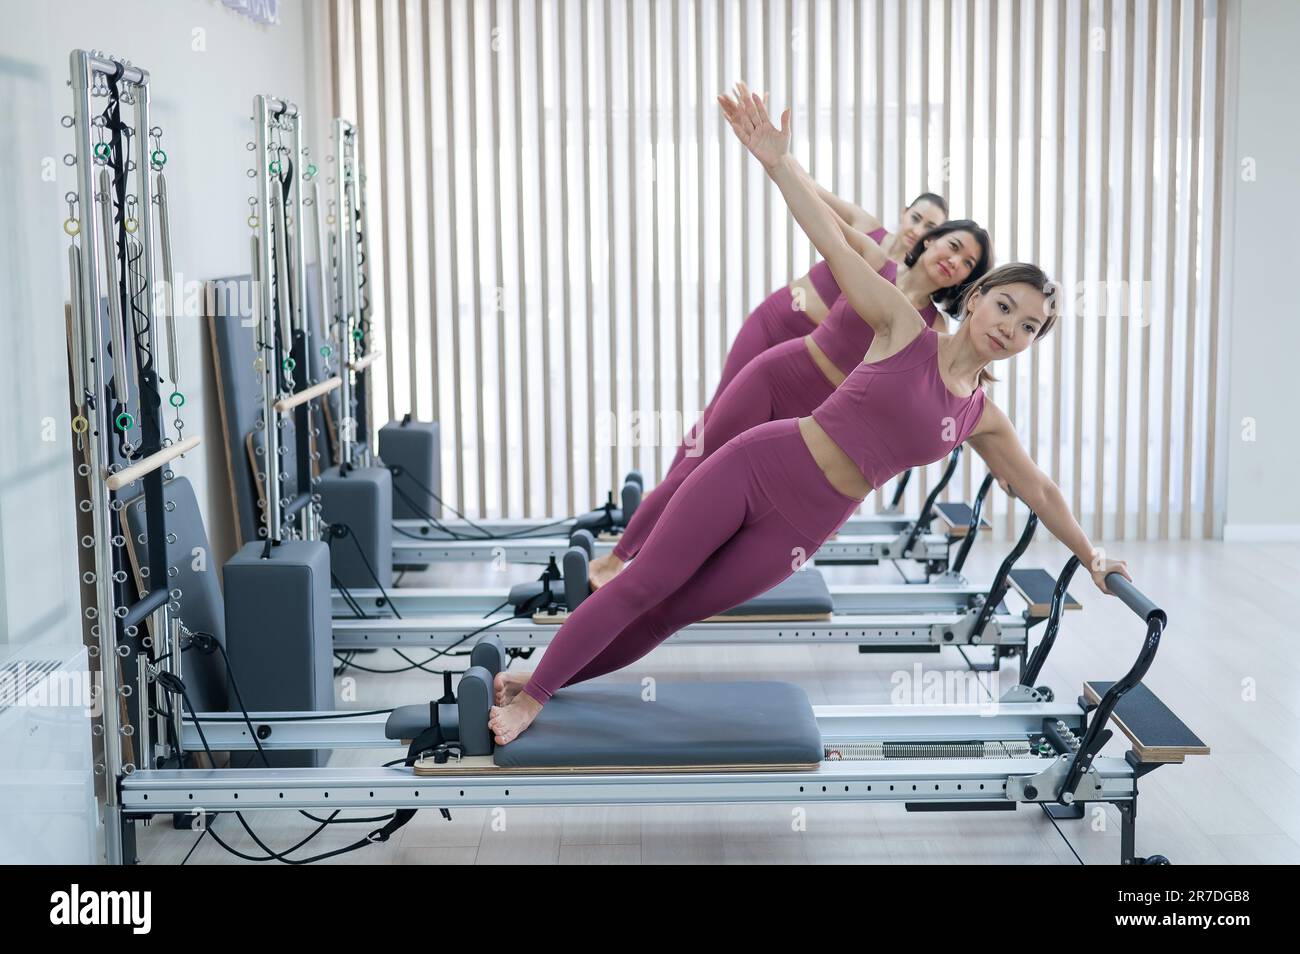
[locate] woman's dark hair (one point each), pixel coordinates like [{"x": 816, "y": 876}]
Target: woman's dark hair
[
  {"x": 931, "y": 197},
  {"x": 950, "y": 299},
  {"x": 1016, "y": 273}
]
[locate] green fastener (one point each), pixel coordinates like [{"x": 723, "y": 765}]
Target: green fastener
[
  {"x": 176, "y": 399},
  {"x": 159, "y": 157},
  {"x": 275, "y": 167},
  {"x": 290, "y": 364},
  {"x": 124, "y": 421},
  {"x": 326, "y": 351},
  {"x": 103, "y": 150}
]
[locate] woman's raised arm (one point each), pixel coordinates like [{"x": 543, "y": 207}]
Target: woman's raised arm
[{"x": 876, "y": 299}]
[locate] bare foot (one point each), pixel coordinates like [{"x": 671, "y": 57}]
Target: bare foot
[
  {"x": 506, "y": 722},
  {"x": 507, "y": 685},
  {"x": 603, "y": 569}
]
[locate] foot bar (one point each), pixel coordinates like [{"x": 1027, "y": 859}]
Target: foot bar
[
  {"x": 364, "y": 362},
  {"x": 151, "y": 463},
  {"x": 311, "y": 393}
]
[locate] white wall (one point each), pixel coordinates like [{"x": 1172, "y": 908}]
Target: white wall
[
  {"x": 202, "y": 98},
  {"x": 1264, "y": 362}
]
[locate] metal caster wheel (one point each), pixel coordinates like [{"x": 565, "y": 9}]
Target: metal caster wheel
[
  {"x": 1156, "y": 860},
  {"x": 1046, "y": 693}
]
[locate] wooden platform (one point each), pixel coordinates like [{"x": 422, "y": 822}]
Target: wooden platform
[
  {"x": 1156, "y": 733},
  {"x": 955, "y": 518},
  {"x": 1035, "y": 587}
]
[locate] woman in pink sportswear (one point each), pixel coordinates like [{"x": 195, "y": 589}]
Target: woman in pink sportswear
[{"x": 741, "y": 522}]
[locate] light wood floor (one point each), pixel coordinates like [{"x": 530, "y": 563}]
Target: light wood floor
[{"x": 1228, "y": 666}]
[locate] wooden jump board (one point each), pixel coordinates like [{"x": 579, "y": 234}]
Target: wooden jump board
[
  {"x": 957, "y": 518},
  {"x": 1156, "y": 733},
  {"x": 556, "y": 619},
  {"x": 1035, "y": 587},
  {"x": 483, "y": 765}
]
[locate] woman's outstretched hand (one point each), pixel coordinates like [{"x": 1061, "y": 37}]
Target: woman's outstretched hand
[
  {"x": 1101, "y": 568},
  {"x": 747, "y": 114}
]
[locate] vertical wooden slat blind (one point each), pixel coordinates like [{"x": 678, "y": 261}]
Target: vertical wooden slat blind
[{"x": 565, "y": 237}]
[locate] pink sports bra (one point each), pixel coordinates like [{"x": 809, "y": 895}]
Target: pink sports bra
[
  {"x": 845, "y": 337},
  {"x": 823, "y": 279},
  {"x": 897, "y": 413}
]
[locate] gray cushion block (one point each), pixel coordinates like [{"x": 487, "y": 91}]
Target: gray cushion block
[
  {"x": 278, "y": 632},
  {"x": 361, "y": 499},
  {"x": 415, "y": 447},
  {"x": 804, "y": 592},
  {"x": 689, "y": 723},
  {"x": 201, "y": 606}
]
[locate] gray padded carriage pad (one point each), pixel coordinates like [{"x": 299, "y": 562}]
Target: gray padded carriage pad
[
  {"x": 801, "y": 593},
  {"x": 688, "y": 724}
]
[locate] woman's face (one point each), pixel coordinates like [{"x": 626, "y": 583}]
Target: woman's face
[
  {"x": 918, "y": 220},
  {"x": 1005, "y": 320},
  {"x": 949, "y": 259}
]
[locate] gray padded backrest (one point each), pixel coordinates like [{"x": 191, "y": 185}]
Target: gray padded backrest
[
  {"x": 803, "y": 592},
  {"x": 689, "y": 723},
  {"x": 201, "y": 606}
]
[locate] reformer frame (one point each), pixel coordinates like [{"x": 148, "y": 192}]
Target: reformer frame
[{"x": 1022, "y": 750}]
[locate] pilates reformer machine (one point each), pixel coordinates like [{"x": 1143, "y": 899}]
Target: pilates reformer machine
[
  {"x": 715, "y": 742},
  {"x": 802, "y": 609},
  {"x": 693, "y": 743},
  {"x": 864, "y": 540}
]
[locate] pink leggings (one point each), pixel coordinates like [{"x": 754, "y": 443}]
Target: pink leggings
[
  {"x": 773, "y": 322},
  {"x": 745, "y": 520},
  {"x": 782, "y": 382}
]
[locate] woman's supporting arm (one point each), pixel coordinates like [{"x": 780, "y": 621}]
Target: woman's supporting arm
[
  {"x": 856, "y": 218},
  {"x": 866, "y": 247},
  {"x": 860, "y": 219},
  {"x": 995, "y": 440}
]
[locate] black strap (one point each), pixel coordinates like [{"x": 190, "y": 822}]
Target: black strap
[{"x": 399, "y": 819}]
